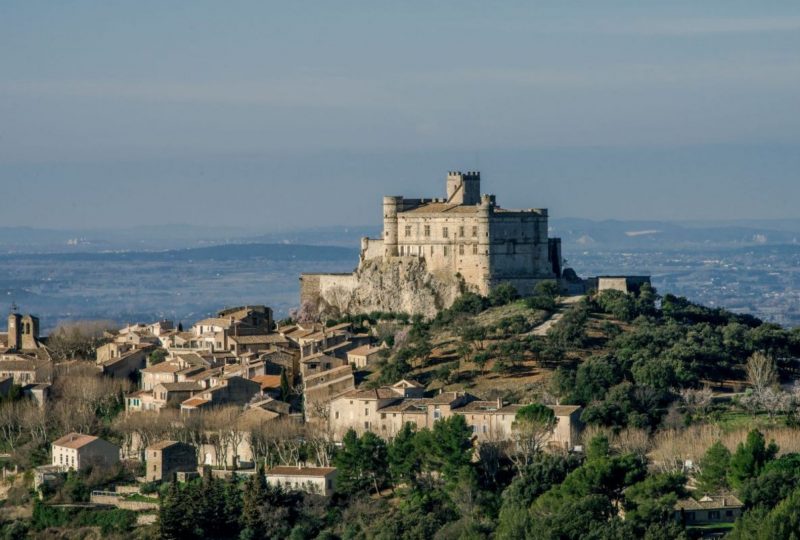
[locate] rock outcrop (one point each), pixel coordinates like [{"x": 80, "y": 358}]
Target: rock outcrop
[{"x": 398, "y": 284}]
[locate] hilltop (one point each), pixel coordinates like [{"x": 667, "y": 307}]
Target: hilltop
[{"x": 627, "y": 358}]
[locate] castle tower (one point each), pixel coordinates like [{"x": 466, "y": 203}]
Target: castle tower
[
  {"x": 464, "y": 188},
  {"x": 390, "y": 233}
]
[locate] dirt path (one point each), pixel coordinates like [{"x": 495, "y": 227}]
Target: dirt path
[{"x": 563, "y": 305}]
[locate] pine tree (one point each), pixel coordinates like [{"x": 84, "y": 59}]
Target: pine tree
[
  {"x": 172, "y": 519},
  {"x": 749, "y": 458},
  {"x": 714, "y": 468},
  {"x": 404, "y": 459},
  {"x": 286, "y": 388},
  {"x": 253, "y": 500}
]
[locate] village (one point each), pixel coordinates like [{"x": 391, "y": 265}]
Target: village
[{"x": 269, "y": 378}]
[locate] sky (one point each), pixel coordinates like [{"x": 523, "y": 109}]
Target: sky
[{"x": 274, "y": 115}]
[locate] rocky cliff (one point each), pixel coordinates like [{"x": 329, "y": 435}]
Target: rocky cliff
[{"x": 400, "y": 284}]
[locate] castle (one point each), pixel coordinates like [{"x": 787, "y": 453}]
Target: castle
[
  {"x": 469, "y": 234},
  {"x": 465, "y": 235}
]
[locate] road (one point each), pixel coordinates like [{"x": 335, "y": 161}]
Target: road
[{"x": 564, "y": 304}]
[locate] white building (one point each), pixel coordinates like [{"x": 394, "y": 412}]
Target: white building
[{"x": 78, "y": 451}]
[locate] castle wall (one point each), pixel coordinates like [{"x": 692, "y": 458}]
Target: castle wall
[{"x": 371, "y": 248}]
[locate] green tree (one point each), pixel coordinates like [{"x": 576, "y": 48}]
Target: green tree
[
  {"x": 548, "y": 289},
  {"x": 532, "y": 427},
  {"x": 749, "y": 458},
  {"x": 714, "y": 467},
  {"x": 405, "y": 461},
  {"x": 652, "y": 500},
  {"x": 253, "y": 499},
  {"x": 362, "y": 463},
  {"x": 174, "y": 515},
  {"x": 778, "y": 479},
  {"x": 503, "y": 294},
  {"x": 286, "y": 387},
  {"x": 451, "y": 446}
]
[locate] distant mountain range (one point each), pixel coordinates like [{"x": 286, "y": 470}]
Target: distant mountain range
[{"x": 574, "y": 232}]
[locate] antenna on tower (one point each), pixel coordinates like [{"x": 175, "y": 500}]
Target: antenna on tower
[{"x": 14, "y": 307}]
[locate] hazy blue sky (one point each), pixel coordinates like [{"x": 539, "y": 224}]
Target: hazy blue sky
[{"x": 267, "y": 114}]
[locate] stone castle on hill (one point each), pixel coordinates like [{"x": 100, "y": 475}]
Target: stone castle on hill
[{"x": 433, "y": 249}]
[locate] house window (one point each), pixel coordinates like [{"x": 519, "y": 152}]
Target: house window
[
  {"x": 713, "y": 515},
  {"x": 402, "y": 250},
  {"x": 445, "y": 232},
  {"x": 383, "y": 416},
  {"x": 729, "y": 513},
  {"x": 408, "y": 230},
  {"x": 444, "y": 250},
  {"x": 474, "y": 231},
  {"x": 474, "y": 249},
  {"x": 461, "y": 249},
  {"x": 336, "y": 415},
  {"x": 366, "y": 411},
  {"x": 427, "y": 230},
  {"x": 461, "y": 231},
  {"x": 437, "y": 413},
  {"x": 366, "y": 425},
  {"x": 431, "y": 250}
]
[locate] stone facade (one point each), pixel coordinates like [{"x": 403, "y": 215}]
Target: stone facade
[
  {"x": 384, "y": 411},
  {"x": 466, "y": 236},
  {"x": 166, "y": 458}
]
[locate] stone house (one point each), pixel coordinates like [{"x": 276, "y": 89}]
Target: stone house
[
  {"x": 232, "y": 391},
  {"x": 320, "y": 389},
  {"x": 384, "y": 411},
  {"x": 255, "y": 343},
  {"x": 364, "y": 356},
  {"x": 316, "y": 480},
  {"x": 318, "y": 362},
  {"x": 78, "y": 451},
  {"x": 166, "y": 458},
  {"x": 126, "y": 364},
  {"x": 25, "y": 369}
]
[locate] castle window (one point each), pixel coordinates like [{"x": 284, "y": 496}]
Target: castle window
[
  {"x": 445, "y": 232},
  {"x": 461, "y": 231},
  {"x": 427, "y": 230},
  {"x": 474, "y": 249},
  {"x": 402, "y": 250},
  {"x": 474, "y": 231},
  {"x": 408, "y": 230},
  {"x": 461, "y": 249},
  {"x": 444, "y": 250}
]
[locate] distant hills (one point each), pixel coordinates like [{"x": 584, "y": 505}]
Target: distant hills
[
  {"x": 575, "y": 232},
  {"x": 273, "y": 252}
]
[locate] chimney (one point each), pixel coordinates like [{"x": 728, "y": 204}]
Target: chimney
[{"x": 499, "y": 403}]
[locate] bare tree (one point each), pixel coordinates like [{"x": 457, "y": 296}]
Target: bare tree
[
  {"x": 761, "y": 372},
  {"x": 79, "y": 340},
  {"x": 697, "y": 400}
]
